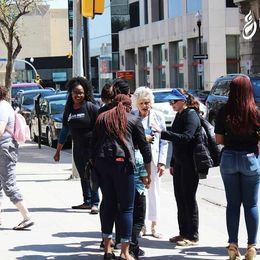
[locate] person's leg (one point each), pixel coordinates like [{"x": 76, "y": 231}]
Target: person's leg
[
  {"x": 80, "y": 159},
  {"x": 250, "y": 178},
  {"x": 108, "y": 209},
  {"x": 178, "y": 193},
  {"x": 8, "y": 159},
  {"x": 189, "y": 185},
  {"x": 231, "y": 180},
  {"x": 125, "y": 191}
]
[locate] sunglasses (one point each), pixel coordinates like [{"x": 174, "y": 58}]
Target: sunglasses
[{"x": 173, "y": 102}]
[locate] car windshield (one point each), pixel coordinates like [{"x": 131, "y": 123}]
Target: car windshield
[
  {"x": 15, "y": 90},
  {"x": 57, "y": 106},
  {"x": 256, "y": 87},
  {"x": 160, "y": 97}
]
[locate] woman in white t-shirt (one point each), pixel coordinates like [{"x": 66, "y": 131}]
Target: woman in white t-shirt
[{"x": 8, "y": 159}]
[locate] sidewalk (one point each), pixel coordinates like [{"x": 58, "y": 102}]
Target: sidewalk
[{"x": 62, "y": 233}]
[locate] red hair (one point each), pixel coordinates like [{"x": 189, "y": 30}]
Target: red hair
[
  {"x": 115, "y": 119},
  {"x": 242, "y": 114}
]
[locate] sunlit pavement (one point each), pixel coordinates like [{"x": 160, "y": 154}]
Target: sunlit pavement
[{"x": 62, "y": 233}]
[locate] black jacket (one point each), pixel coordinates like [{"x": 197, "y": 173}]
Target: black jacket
[{"x": 107, "y": 146}]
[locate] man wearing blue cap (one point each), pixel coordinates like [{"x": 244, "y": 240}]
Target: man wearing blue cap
[{"x": 184, "y": 130}]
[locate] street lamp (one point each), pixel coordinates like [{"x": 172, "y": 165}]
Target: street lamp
[{"x": 198, "y": 17}]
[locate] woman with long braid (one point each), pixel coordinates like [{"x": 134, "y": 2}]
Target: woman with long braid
[{"x": 115, "y": 134}]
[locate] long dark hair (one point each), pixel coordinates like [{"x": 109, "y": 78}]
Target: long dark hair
[
  {"x": 3, "y": 93},
  {"x": 241, "y": 112},
  {"x": 115, "y": 119}
]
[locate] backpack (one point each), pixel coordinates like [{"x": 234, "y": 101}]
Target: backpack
[{"x": 21, "y": 129}]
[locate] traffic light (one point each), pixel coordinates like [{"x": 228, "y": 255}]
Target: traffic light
[
  {"x": 89, "y": 8},
  {"x": 99, "y": 6},
  {"x": 38, "y": 79}
]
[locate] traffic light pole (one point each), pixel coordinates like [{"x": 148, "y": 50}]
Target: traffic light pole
[
  {"x": 77, "y": 69},
  {"x": 86, "y": 59}
]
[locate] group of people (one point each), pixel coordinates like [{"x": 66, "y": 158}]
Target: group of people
[{"x": 126, "y": 141}]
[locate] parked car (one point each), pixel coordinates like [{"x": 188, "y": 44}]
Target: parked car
[
  {"x": 25, "y": 100},
  {"x": 218, "y": 95},
  {"x": 22, "y": 86},
  {"x": 51, "y": 110},
  {"x": 162, "y": 104},
  {"x": 201, "y": 95}
]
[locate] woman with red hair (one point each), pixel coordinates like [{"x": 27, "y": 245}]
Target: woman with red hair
[
  {"x": 115, "y": 134},
  {"x": 237, "y": 128}
]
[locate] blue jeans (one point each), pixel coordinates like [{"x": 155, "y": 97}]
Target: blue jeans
[
  {"x": 118, "y": 193},
  {"x": 241, "y": 176}
]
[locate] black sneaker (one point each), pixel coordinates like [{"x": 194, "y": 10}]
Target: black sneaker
[{"x": 136, "y": 251}]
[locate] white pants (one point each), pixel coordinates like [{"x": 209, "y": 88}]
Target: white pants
[{"x": 153, "y": 198}]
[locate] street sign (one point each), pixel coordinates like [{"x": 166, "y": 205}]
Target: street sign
[{"x": 200, "y": 56}]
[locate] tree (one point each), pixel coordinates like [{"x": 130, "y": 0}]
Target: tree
[{"x": 10, "y": 13}]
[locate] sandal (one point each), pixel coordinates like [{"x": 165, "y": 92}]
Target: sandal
[
  {"x": 175, "y": 239},
  {"x": 250, "y": 252},
  {"x": 155, "y": 234},
  {"x": 233, "y": 252},
  {"x": 24, "y": 224},
  {"x": 187, "y": 242}
]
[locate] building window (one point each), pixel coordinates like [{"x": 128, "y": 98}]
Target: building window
[
  {"x": 157, "y": 10},
  {"x": 177, "y": 55},
  {"x": 159, "y": 66},
  {"x": 193, "y": 6},
  {"x": 134, "y": 14},
  {"x": 144, "y": 66},
  {"x": 145, "y": 12},
  {"x": 175, "y": 8},
  {"x": 230, "y": 3},
  {"x": 232, "y": 48}
]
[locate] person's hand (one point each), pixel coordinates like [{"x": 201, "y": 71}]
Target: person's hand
[
  {"x": 149, "y": 139},
  {"x": 56, "y": 156},
  {"x": 171, "y": 170},
  {"x": 160, "y": 169},
  {"x": 146, "y": 180}
]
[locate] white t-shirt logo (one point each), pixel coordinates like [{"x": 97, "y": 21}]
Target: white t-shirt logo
[{"x": 250, "y": 27}]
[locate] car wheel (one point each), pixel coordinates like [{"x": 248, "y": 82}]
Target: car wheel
[
  {"x": 33, "y": 136},
  {"x": 50, "y": 140}
]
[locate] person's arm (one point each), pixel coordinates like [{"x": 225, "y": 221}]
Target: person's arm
[
  {"x": 190, "y": 125},
  {"x": 62, "y": 139},
  {"x": 2, "y": 127},
  {"x": 220, "y": 126}
]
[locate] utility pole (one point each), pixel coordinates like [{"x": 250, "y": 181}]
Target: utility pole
[{"x": 77, "y": 68}]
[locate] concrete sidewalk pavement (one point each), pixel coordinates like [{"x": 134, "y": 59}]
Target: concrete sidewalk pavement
[{"x": 62, "y": 233}]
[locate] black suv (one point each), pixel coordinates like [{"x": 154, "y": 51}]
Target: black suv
[{"x": 219, "y": 94}]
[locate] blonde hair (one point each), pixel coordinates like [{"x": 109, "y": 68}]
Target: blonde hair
[{"x": 142, "y": 93}]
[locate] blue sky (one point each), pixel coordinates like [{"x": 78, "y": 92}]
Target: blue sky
[{"x": 58, "y": 3}]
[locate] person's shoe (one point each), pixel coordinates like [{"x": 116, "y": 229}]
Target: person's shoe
[
  {"x": 82, "y": 206},
  {"x": 175, "y": 239},
  {"x": 187, "y": 242},
  {"x": 136, "y": 251},
  {"x": 156, "y": 234},
  {"x": 24, "y": 224},
  {"x": 233, "y": 252},
  {"x": 250, "y": 252},
  {"x": 94, "y": 210},
  {"x": 109, "y": 256}
]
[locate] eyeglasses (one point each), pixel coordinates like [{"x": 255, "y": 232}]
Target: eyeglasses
[{"x": 173, "y": 102}]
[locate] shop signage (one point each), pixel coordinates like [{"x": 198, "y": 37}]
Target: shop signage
[{"x": 250, "y": 26}]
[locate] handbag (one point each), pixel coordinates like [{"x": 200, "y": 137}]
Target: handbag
[{"x": 91, "y": 176}]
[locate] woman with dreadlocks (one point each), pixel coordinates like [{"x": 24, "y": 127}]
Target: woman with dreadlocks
[
  {"x": 79, "y": 118},
  {"x": 115, "y": 134}
]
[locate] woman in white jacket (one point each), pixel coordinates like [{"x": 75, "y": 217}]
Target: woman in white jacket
[{"x": 143, "y": 100}]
